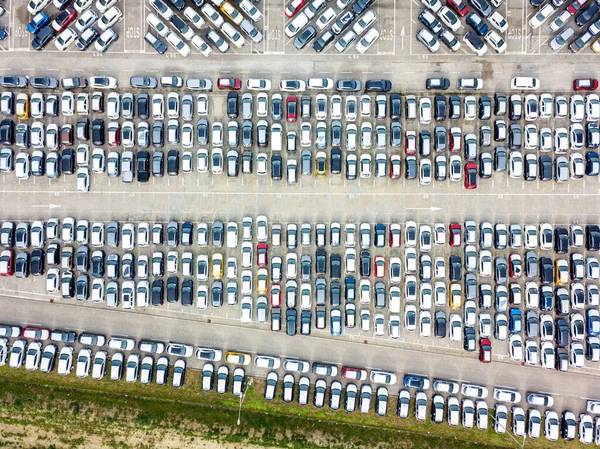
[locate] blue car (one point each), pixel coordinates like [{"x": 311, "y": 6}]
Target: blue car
[
  {"x": 3, "y": 34},
  {"x": 415, "y": 381},
  {"x": 516, "y": 321},
  {"x": 39, "y": 21},
  {"x": 350, "y": 289},
  {"x": 593, "y": 322},
  {"x": 477, "y": 23}
]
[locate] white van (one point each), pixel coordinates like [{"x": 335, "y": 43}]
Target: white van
[{"x": 524, "y": 83}]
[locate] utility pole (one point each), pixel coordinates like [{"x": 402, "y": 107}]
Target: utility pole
[{"x": 242, "y": 397}]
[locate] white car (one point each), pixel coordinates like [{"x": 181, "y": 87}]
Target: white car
[
  {"x": 541, "y": 16},
  {"x": 110, "y": 17},
  {"x": 65, "y": 39},
  {"x": 496, "y": 41},
  {"x": 296, "y": 25},
  {"x": 364, "y": 22},
  {"x": 367, "y": 41},
  {"x": 498, "y": 21},
  {"x": 232, "y": 34},
  {"x": 193, "y": 17},
  {"x": 178, "y": 44}
]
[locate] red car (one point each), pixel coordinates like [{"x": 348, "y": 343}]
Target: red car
[
  {"x": 515, "y": 266},
  {"x": 291, "y": 109},
  {"x": 395, "y": 166},
  {"x": 458, "y": 6},
  {"x": 411, "y": 142},
  {"x": 114, "y": 134},
  {"x": 585, "y": 84},
  {"x": 349, "y": 372},
  {"x": 485, "y": 350},
  {"x": 379, "y": 267},
  {"x": 261, "y": 254},
  {"x": 395, "y": 234},
  {"x": 293, "y": 7},
  {"x": 275, "y": 295},
  {"x": 64, "y": 19},
  {"x": 36, "y": 333},
  {"x": 470, "y": 176},
  {"x": 7, "y": 262},
  {"x": 229, "y": 83},
  {"x": 455, "y": 234},
  {"x": 576, "y": 6}
]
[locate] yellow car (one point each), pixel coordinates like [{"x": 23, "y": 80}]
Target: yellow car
[
  {"x": 233, "y": 14},
  {"x": 562, "y": 272},
  {"x": 217, "y": 266},
  {"x": 262, "y": 281},
  {"x": 596, "y": 46},
  {"x": 22, "y": 107},
  {"x": 455, "y": 296},
  {"x": 239, "y": 358},
  {"x": 321, "y": 164}
]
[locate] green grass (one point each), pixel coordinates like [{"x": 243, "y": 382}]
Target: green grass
[{"x": 77, "y": 409}]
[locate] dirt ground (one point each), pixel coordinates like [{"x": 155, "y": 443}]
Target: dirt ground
[{"x": 24, "y": 436}]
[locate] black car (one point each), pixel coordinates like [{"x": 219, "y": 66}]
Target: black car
[
  {"x": 67, "y": 161},
  {"x": 561, "y": 240},
  {"x": 439, "y": 107},
  {"x": 143, "y": 166},
  {"x": 360, "y": 6},
  {"x": 455, "y": 269},
  {"x": 7, "y": 132},
  {"x": 365, "y": 263},
  {"x": 585, "y": 15},
  {"x": 592, "y": 163},
  {"x": 378, "y": 86},
  {"x": 348, "y": 85},
  {"x": 335, "y": 167},
  {"x": 156, "y": 43},
  {"x": 157, "y": 292},
  {"x": 291, "y": 316},
  {"x": 187, "y": 288},
  {"x": 276, "y": 167},
  {"x": 143, "y": 105},
  {"x": 395, "y": 106},
  {"x": 515, "y": 136},
  {"x": 42, "y": 38},
  {"x": 172, "y": 289},
  {"x": 305, "y": 37},
  {"x": 37, "y": 262},
  {"x": 546, "y": 273},
  {"x": 439, "y": 329},
  {"x": 98, "y": 132},
  {"x": 321, "y": 262},
  {"x": 173, "y": 163},
  {"x": 592, "y": 237},
  {"x": 500, "y": 159},
  {"x": 561, "y": 330},
  {"x": 545, "y": 168},
  {"x": 232, "y": 105},
  {"x": 437, "y": 83},
  {"x": 323, "y": 41}
]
